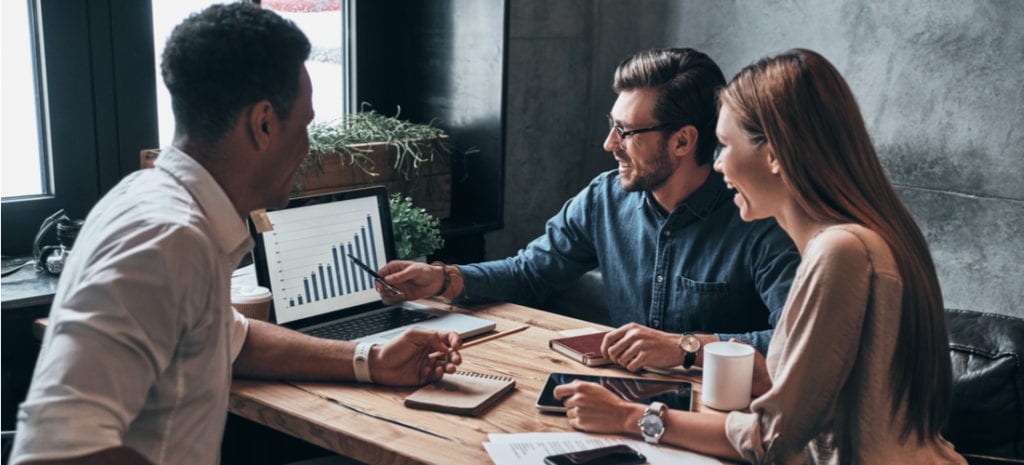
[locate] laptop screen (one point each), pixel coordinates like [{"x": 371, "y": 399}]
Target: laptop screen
[{"x": 305, "y": 261}]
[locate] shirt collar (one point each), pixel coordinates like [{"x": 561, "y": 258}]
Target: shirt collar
[
  {"x": 229, "y": 231},
  {"x": 700, "y": 203}
]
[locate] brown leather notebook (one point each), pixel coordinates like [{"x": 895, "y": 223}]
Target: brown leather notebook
[
  {"x": 585, "y": 349},
  {"x": 462, "y": 393}
]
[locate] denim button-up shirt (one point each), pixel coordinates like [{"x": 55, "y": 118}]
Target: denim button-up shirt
[{"x": 699, "y": 268}]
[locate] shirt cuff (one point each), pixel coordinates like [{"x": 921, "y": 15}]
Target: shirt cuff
[
  {"x": 84, "y": 428},
  {"x": 744, "y": 433}
]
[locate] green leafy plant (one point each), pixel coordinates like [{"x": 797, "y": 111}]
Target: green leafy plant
[
  {"x": 414, "y": 144},
  {"x": 417, "y": 233}
]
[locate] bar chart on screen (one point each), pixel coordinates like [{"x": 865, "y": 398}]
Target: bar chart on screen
[{"x": 307, "y": 256}]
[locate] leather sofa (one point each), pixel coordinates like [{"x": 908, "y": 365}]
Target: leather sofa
[
  {"x": 987, "y": 354},
  {"x": 987, "y": 351}
]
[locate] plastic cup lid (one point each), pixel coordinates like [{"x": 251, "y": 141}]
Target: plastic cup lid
[{"x": 249, "y": 294}]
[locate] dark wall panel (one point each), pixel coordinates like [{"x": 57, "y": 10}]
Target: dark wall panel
[{"x": 444, "y": 60}]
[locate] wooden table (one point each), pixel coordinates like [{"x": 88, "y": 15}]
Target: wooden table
[{"x": 370, "y": 424}]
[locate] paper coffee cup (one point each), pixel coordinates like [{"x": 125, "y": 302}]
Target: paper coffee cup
[
  {"x": 728, "y": 373},
  {"x": 252, "y": 301}
]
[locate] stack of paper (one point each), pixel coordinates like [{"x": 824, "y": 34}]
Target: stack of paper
[{"x": 531, "y": 448}]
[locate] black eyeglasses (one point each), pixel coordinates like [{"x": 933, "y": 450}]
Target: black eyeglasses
[{"x": 623, "y": 133}]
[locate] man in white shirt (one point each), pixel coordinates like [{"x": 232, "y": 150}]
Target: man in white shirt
[{"x": 137, "y": 360}]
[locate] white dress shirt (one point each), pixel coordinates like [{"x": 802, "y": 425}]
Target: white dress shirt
[{"x": 141, "y": 334}]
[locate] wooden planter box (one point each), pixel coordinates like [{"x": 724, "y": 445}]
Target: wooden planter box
[{"x": 431, "y": 189}]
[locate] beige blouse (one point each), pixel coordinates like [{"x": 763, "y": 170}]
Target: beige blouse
[{"x": 830, "y": 357}]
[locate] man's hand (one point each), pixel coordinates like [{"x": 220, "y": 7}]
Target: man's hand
[
  {"x": 634, "y": 347},
  {"x": 416, "y": 280},
  {"x": 416, "y": 357},
  {"x": 592, "y": 407}
]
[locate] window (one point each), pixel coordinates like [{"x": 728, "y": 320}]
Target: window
[
  {"x": 88, "y": 87},
  {"x": 23, "y": 167},
  {"x": 326, "y": 24},
  {"x": 93, "y": 89},
  {"x": 82, "y": 117}
]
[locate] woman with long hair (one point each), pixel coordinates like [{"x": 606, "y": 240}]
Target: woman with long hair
[{"x": 859, "y": 364}]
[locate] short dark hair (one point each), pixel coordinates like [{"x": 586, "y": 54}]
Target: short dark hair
[
  {"x": 227, "y": 57},
  {"x": 687, "y": 82}
]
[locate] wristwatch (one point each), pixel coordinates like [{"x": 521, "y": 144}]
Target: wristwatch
[
  {"x": 651, "y": 426},
  {"x": 690, "y": 344}
]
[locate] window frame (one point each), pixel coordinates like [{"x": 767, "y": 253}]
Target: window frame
[{"x": 98, "y": 107}]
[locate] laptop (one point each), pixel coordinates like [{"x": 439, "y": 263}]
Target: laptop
[{"x": 304, "y": 261}]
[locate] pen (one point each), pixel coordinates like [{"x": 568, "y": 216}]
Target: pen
[
  {"x": 484, "y": 339},
  {"x": 376, "y": 277}
]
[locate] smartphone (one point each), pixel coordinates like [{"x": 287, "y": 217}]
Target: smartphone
[
  {"x": 677, "y": 395},
  {"x": 612, "y": 455}
]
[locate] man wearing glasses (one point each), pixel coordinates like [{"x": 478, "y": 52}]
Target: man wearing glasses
[{"x": 680, "y": 268}]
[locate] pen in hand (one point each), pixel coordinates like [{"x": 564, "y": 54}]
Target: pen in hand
[
  {"x": 469, "y": 344},
  {"x": 376, "y": 277}
]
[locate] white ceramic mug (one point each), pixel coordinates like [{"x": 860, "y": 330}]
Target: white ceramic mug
[
  {"x": 728, "y": 373},
  {"x": 253, "y": 302}
]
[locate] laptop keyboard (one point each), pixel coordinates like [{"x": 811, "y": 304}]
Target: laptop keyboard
[{"x": 365, "y": 325}]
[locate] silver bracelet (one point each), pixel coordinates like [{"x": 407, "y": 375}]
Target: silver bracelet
[{"x": 361, "y": 362}]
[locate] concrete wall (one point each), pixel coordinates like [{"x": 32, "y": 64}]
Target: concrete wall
[{"x": 939, "y": 83}]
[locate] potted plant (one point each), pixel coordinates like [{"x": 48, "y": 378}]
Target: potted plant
[
  {"x": 368, "y": 148},
  {"x": 417, "y": 232}
]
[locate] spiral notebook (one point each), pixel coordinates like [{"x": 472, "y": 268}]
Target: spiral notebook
[{"x": 462, "y": 393}]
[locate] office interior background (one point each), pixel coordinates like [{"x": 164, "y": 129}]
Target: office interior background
[{"x": 938, "y": 82}]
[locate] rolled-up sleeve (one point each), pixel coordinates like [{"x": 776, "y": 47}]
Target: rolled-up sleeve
[{"x": 550, "y": 262}]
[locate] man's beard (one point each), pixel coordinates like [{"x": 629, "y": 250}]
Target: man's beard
[{"x": 655, "y": 174}]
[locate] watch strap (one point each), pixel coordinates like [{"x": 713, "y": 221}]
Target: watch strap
[
  {"x": 361, "y": 362},
  {"x": 689, "y": 356},
  {"x": 688, "y": 359},
  {"x": 656, "y": 409},
  {"x": 447, "y": 278}
]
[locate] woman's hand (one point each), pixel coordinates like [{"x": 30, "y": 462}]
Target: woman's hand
[
  {"x": 592, "y": 407},
  {"x": 761, "y": 382}
]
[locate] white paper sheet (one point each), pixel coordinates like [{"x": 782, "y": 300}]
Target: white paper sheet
[{"x": 531, "y": 448}]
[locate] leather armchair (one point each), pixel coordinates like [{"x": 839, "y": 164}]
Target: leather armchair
[{"x": 987, "y": 351}]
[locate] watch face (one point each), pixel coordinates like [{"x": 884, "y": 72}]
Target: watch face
[
  {"x": 690, "y": 343},
  {"x": 651, "y": 425}
]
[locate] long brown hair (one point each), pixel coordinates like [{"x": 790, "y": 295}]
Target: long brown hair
[{"x": 799, "y": 104}]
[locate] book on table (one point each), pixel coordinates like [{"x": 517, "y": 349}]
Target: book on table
[
  {"x": 462, "y": 393},
  {"x": 585, "y": 349}
]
